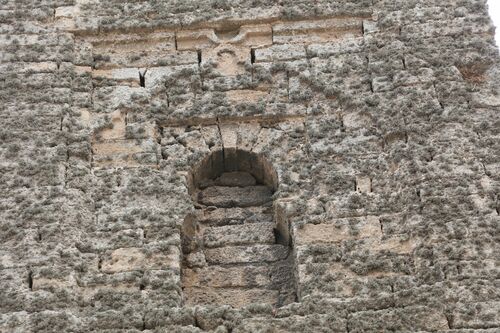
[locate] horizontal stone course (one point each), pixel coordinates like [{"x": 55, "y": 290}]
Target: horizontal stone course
[
  {"x": 232, "y": 297},
  {"x": 219, "y": 277},
  {"x": 246, "y": 254},
  {"x": 239, "y": 235},
  {"x": 131, "y": 259},
  {"x": 234, "y": 196},
  {"x": 280, "y": 53}
]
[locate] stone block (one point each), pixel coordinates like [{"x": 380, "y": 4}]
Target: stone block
[
  {"x": 196, "y": 259},
  {"x": 206, "y": 38},
  {"x": 196, "y": 39},
  {"x": 66, "y": 11},
  {"x": 137, "y": 49},
  {"x": 334, "y": 322},
  {"x": 381, "y": 66},
  {"x": 354, "y": 121},
  {"x": 239, "y": 234},
  {"x": 339, "y": 230},
  {"x": 124, "y": 75},
  {"x": 246, "y": 254},
  {"x": 246, "y": 96},
  {"x": 133, "y": 259},
  {"x": 223, "y": 83},
  {"x": 476, "y": 315},
  {"x": 156, "y": 76},
  {"x": 235, "y": 196},
  {"x": 224, "y": 277},
  {"x": 351, "y": 45},
  {"x": 15, "y": 280},
  {"x": 280, "y": 53},
  {"x": 107, "y": 240},
  {"x": 229, "y": 135},
  {"x": 227, "y": 60},
  {"x": 30, "y": 67},
  {"x": 116, "y": 147},
  {"x": 117, "y": 320},
  {"x": 316, "y": 31},
  {"x": 232, "y": 216},
  {"x": 456, "y": 27},
  {"x": 339, "y": 64},
  {"x": 382, "y": 83},
  {"x": 412, "y": 318},
  {"x": 363, "y": 184},
  {"x": 370, "y": 27},
  {"x": 483, "y": 100},
  {"x": 233, "y": 297},
  {"x": 112, "y": 98},
  {"x": 254, "y": 35},
  {"x": 117, "y": 130},
  {"x": 41, "y": 321}
]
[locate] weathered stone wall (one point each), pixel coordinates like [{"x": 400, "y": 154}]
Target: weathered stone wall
[{"x": 380, "y": 118}]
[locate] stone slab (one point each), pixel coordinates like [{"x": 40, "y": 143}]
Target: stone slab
[
  {"x": 246, "y": 254},
  {"x": 252, "y": 233},
  {"x": 224, "y": 277},
  {"x": 220, "y": 196},
  {"x": 233, "y": 297}
]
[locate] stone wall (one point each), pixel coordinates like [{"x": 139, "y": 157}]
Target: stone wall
[{"x": 378, "y": 118}]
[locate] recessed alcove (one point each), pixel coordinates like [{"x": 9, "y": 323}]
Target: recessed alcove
[
  {"x": 227, "y": 32},
  {"x": 234, "y": 250}
]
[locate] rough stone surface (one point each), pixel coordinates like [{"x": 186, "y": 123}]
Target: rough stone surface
[
  {"x": 226, "y": 196},
  {"x": 242, "y": 263},
  {"x": 380, "y": 118}
]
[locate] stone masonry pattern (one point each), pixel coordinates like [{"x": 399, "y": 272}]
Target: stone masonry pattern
[{"x": 374, "y": 205}]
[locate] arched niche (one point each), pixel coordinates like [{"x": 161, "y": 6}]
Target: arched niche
[
  {"x": 236, "y": 249},
  {"x": 232, "y": 160}
]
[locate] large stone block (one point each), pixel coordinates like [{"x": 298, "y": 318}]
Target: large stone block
[
  {"x": 226, "y": 216},
  {"x": 416, "y": 318},
  {"x": 223, "y": 277},
  {"x": 246, "y": 254},
  {"x": 132, "y": 259},
  {"x": 351, "y": 45},
  {"x": 280, "y": 53},
  {"x": 316, "y": 31},
  {"x": 479, "y": 315},
  {"x": 239, "y": 234},
  {"x": 235, "y": 196},
  {"x": 234, "y": 297},
  {"x": 339, "y": 230}
]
